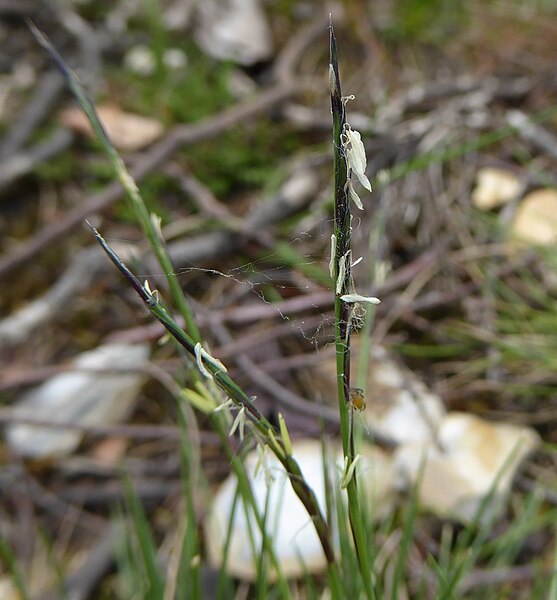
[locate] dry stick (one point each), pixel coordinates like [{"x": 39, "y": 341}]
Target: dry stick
[
  {"x": 139, "y": 432},
  {"x": 48, "y": 89},
  {"x": 87, "y": 38},
  {"x": 181, "y": 135},
  {"x": 21, "y": 9},
  {"x": 253, "y": 338},
  {"x": 18, "y": 162},
  {"x": 80, "y": 584},
  {"x": 529, "y": 130},
  {"x": 89, "y": 264},
  {"x": 434, "y": 298},
  {"x": 206, "y": 201},
  {"x": 253, "y": 312},
  {"x": 23, "y": 162},
  {"x": 499, "y": 576},
  {"x": 153, "y": 490},
  {"x": 84, "y": 268},
  {"x": 284, "y": 67},
  {"x": 283, "y": 395},
  {"x": 55, "y": 505}
]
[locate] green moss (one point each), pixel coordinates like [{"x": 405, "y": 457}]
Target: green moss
[
  {"x": 283, "y": 8},
  {"x": 60, "y": 169},
  {"x": 426, "y": 21},
  {"x": 246, "y": 156},
  {"x": 198, "y": 91}
]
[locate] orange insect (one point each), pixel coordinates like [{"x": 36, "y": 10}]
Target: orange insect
[{"x": 357, "y": 398}]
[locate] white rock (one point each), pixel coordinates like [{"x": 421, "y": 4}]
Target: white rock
[
  {"x": 296, "y": 544},
  {"x": 127, "y": 131},
  {"x": 474, "y": 456},
  {"x": 377, "y": 477},
  {"x": 140, "y": 60},
  {"x": 536, "y": 218},
  {"x": 177, "y": 14},
  {"x": 495, "y": 187},
  {"x": 399, "y": 405},
  {"x": 234, "y": 30},
  {"x": 8, "y": 591},
  {"x": 175, "y": 59},
  {"x": 82, "y": 398}
]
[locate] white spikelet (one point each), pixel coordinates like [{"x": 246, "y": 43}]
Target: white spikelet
[{"x": 356, "y": 156}]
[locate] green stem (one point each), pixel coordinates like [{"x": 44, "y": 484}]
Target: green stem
[
  {"x": 342, "y": 281},
  {"x": 342, "y": 243}
]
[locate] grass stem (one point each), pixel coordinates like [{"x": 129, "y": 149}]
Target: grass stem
[{"x": 342, "y": 284}]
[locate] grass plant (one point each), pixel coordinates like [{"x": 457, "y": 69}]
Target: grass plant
[
  {"x": 352, "y": 570},
  {"x": 9, "y": 560},
  {"x": 342, "y": 280},
  {"x": 189, "y": 339}
]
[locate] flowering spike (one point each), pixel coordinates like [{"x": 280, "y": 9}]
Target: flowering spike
[
  {"x": 341, "y": 272},
  {"x": 199, "y": 359},
  {"x": 356, "y": 155},
  {"x": 349, "y": 471},
  {"x": 284, "y": 434},
  {"x": 239, "y": 423},
  {"x": 333, "y": 255},
  {"x": 353, "y": 298},
  {"x": 353, "y": 195}
]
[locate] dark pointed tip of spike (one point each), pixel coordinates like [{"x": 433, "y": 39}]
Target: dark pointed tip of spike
[
  {"x": 36, "y": 32},
  {"x": 91, "y": 227}
]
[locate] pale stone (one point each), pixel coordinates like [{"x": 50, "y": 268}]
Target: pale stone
[
  {"x": 8, "y": 591},
  {"x": 127, "y": 131},
  {"x": 140, "y": 60},
  {"x": 494, "y": 188},
  {"x": 535, "y": 221},
  {"x": 295, "y": 541},
  {"x": 473, "y": 458},
  {"x": 80, "y": 397},
  {"x": 234, "y": 30},
  {"x": 398, "y": 405}
]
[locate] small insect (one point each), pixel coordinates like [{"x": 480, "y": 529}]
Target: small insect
[{"x": 357, "y": 398}]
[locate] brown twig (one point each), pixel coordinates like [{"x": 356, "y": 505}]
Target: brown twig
[
  {"x": 48, "y": 90},
  {"x": 180, "y": 136},
  {"x": 21, "y": 163}
]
